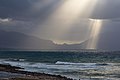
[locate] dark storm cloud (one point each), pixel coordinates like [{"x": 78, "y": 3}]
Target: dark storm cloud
[
  {"x": 25, "y": 10},
  {"x": 20, "y": 9},
  {"x": 106, "y": 9},
  {"x": 13, "y": 8}
]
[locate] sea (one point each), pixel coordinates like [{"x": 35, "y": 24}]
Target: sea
[{"x": 78, "y": 65}]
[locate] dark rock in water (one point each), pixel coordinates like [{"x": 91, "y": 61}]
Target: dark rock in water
[
  {"x": 9, "y": 67},
  {"x": 101, "y": 64}
]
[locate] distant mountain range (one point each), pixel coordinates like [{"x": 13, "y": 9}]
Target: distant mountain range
[{"x": 15, "y": 40}]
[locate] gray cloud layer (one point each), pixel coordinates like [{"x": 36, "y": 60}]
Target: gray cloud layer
[
  {"x": 21, "y": 8},
  {"x": 29, "y": 16}
]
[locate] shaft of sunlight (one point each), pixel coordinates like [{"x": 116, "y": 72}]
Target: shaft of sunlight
[
  {"x": 63, "y": 18},
  {"x": 95, "y": 28},
  {"x": 71, "y": 10},
  {"x": 67, "y": 14}
]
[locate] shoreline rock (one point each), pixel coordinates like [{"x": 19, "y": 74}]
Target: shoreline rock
[{"x": 30, "y": 75}]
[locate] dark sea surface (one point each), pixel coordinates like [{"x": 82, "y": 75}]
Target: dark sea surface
[
  {"x": 73, "y": 64},
  {"x": 52, "y": 57}
]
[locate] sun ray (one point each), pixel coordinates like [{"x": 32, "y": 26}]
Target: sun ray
[
  {"x": 71, "y": 10},
  {"x": 95, "y": 26},
  {"x": 62, "y": 19},
  {"x": 68, "y": 13}
]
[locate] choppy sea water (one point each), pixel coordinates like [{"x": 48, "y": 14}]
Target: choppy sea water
[{"x": 76, "y": 65}]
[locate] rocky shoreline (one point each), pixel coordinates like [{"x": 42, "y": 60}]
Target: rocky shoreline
[{"x": 28, "y": 75}]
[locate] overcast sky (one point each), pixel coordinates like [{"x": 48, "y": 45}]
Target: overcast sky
[{"x": 62, "y": 21}]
